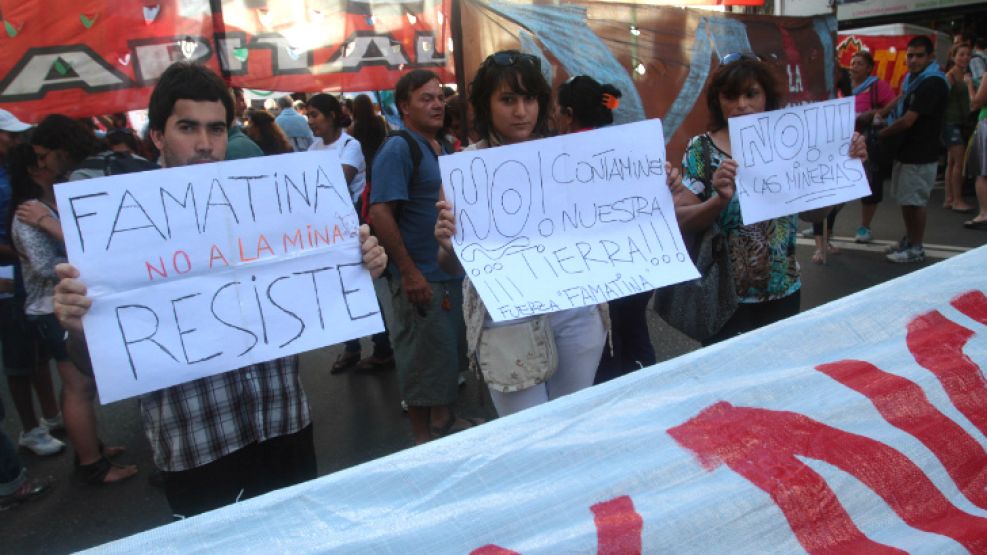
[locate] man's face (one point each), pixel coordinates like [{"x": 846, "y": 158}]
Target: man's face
[
  {"x": 425, "y": 109},
  {"x": 918, "y": 59},
  {"x": 240, "y": 103},
  {"x": 56, "y": 162},
  {"x": 194, "y": 133}
]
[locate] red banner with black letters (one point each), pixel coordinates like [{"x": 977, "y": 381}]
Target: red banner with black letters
[{"x": 90, "y": 57}]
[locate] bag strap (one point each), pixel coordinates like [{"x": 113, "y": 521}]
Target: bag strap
[{"x": 707, "y": 165}]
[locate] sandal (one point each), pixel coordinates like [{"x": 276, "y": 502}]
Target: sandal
[
  {"x": 30, "y": 489},
  {"x": 96, "y": 473},
  {"x": 456, "y": 424},
  {"x": 344, "y": 362},
  {"x": 107, "y": 452},
  {"x": 818, "y": 258}
]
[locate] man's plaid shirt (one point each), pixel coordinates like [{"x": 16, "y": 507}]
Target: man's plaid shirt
[{"x": 195, "y": 423}]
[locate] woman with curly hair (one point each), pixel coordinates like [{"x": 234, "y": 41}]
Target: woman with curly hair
[{"x": 762, "y": 255}]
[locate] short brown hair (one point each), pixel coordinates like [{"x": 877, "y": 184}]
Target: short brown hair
[
  {"x": 730, "y": 81},
  {"x": 410, "y": 82}
]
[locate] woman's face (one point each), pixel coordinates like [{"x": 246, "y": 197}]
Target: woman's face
[
  {"x": 42, "y": 176},
  {"x": 859, "y": 68},
  {"x": 320, "y": 125},
  {"x": 751, "y": 100},
  {"x": 513, "y": 115},
  {"x": 962, "y": 57},
  {"x": 563, "y": 120}
]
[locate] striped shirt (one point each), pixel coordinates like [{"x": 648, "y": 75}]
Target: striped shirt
[{"x": 198, "y": 422}]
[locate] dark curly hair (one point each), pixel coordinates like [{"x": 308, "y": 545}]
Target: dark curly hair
[
  {"x": 186, "y": 81},
  {"x": 731, "y": 80},
  {"x": 20, "y": 161},
  {"x": 58, "y": 132},
  {"x": 521, "y": 76},
  {"x": 583, "y": 95}
]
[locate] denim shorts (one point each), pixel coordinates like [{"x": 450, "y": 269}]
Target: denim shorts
[{"x": 952, "y": 134}]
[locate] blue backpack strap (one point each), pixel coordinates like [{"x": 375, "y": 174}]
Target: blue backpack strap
[{"x": 413, "y": 147}]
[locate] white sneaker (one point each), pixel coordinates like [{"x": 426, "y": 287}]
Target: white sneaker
[
  {"x": 40, "y": 442},
  {"x": 53, "y": 424},
  {"x": 911, "y": 254},
  {"x": 863, "y": 235}
]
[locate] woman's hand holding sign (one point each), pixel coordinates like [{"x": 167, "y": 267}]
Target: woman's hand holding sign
[
  {"x": 725, "y": 182},
  {"x": 858, "y": 147}
]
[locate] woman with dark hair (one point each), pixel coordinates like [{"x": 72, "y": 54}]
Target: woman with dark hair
[
  {"x": 263, "y": 131},
  {"x": 583, "y": 104},
  {"x": 328, "y": 124},
  {"x": 511, "y": 98},
  {"x": 370, "y": 131},
  {"x": 956, "y": 126},
  {"x": 762, "y": 255},
  {"x": 368, "y": 128},
  {"x": 37, "y": 236}
]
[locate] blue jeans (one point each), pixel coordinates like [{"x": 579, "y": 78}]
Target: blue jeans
[{"x": 12, "y": 472}]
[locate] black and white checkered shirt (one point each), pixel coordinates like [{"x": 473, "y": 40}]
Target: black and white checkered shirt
[{"x": 195, "y": 423}]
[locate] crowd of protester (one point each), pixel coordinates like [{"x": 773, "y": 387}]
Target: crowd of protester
[{"x": 246, "y": 432}]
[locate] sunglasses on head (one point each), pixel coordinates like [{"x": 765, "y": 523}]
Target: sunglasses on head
[
  {"x": 508, "y": 59},
  {"x": 737, "y": 56}
]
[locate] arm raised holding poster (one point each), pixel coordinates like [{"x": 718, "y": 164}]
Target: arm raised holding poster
[
  {"x": 762, "y": 254},
  {"x": 548, "y": 231},
  {"x": 797, "y": 159}
]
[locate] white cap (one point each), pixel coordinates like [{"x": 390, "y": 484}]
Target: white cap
[{"x": 10, "y": 123}]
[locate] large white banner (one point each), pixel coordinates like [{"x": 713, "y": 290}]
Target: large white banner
[
  {"x": 796, "y": 159},
  {"x": 202, "y": 269},
  {"x": 565, "y": 222},
  {"x": 856, "y": 427}
]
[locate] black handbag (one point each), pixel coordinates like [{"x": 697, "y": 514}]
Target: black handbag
[{"x": 699, "y": 308}]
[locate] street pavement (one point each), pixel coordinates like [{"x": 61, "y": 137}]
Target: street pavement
[{"x": 357, "y": 416}]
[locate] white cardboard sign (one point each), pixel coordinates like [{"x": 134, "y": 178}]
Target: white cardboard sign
[
  {"x": 570, "y": 221},
  {"x": 199, "y": 270},
  {"x": 796, "y": 159}
]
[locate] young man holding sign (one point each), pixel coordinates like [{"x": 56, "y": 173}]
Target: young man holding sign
[{"x": 234, "y": 435}]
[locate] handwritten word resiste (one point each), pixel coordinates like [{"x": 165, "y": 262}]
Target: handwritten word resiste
[
  {"x": 203, "y": 269},
  {"x": 796, "y": 159},
  {"x": 565, "y": 222}
]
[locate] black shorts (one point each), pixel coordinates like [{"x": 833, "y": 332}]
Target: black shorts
[
  {"x": 52, "y": 335},
  {"x": 19, "y": 339}
]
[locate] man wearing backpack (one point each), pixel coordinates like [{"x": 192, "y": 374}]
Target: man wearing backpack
[{"x": 428, "y": 332}]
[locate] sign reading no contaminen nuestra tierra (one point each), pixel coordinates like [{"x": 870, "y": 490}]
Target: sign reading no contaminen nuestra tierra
[{"x": 570, "y": 221}]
